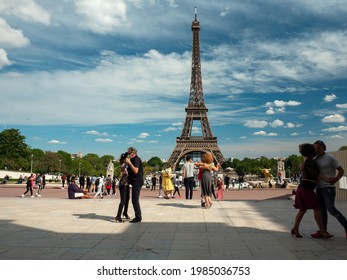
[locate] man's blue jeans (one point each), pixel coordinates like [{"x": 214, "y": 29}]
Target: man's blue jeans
[{"x": 326, "y": 197}]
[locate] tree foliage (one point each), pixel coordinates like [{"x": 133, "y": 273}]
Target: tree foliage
[
  {"x": 14, "y": 152},
  {"x": 156, "y": 163},
  {"x": 16, "y": 155}
]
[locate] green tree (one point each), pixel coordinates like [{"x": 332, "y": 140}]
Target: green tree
[
  {"x": 65, "y": 162},
  {"x": 14, "y": 152},
  {"x": 49, "y": 163},
  {"x": 343, "y": 148},
  {"x": 156, "y": 163},
  {"x": 292, "y": 164},
  {"x": 99, "y": 164},
  {"x": 227, "y": 163}
]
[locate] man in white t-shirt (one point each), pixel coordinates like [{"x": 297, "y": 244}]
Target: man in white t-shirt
[
  {"x": 188, "y": 177},
  {"x": 326, "y": 191}
]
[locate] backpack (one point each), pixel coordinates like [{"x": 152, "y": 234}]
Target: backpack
[{"x": 97, "y": 181}]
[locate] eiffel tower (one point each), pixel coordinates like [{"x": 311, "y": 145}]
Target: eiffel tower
[{"x": 195, "y": 111}]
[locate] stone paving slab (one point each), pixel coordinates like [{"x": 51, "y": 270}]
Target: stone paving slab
[{"x": 62, "y": 229}]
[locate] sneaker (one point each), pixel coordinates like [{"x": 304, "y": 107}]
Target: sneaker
[
  {"x": 32, "y": 196},
  {"x": 38, "y": 195},
  {"x": 62, "y": 188},
  {"x": 23, "y": 197},
  {"x": 317, "y": 234}
]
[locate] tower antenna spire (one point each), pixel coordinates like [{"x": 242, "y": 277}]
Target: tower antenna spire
[{"x": 195, "y": 12}]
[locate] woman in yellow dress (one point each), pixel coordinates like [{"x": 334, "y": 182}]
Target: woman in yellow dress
[{"x": 167, "y": 183}]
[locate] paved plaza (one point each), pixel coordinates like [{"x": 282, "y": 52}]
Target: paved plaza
[{"x": 56, "y": 228}]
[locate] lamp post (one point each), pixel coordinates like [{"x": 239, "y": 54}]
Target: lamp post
[
  {"x": 79, "y": 169},
  {"x": 59, "y": 167},
  {"x": 31, "y": 164}
]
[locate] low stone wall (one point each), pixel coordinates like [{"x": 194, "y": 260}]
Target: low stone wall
[{"x": 15, "y": 174}]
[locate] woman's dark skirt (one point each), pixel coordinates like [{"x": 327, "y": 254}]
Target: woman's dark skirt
[{"x": 306, "y": 198}]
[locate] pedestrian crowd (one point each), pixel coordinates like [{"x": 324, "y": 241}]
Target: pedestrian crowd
[{"x": 316, "y": 190}]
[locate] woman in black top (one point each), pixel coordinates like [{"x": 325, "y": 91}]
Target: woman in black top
[{"x": 124, "y": 191}]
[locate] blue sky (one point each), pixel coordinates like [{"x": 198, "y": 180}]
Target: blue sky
[{"x": 98, "y": 76}]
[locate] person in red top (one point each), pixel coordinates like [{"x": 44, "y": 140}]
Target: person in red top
[
  {"x": 29, "y": 185},
  {"x": 63, "y": 179},
  {"x": 220, "y": 188}
]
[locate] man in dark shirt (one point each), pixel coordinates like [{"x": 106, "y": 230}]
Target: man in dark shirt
[
  {"x": 154, "y": 182},
  {"x": 73, "y": 190},
  {"x": 135, "y": 179}
]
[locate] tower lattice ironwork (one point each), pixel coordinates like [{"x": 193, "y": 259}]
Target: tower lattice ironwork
[{"x": 195, "y": 111}]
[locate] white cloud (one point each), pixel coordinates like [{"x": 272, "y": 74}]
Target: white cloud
[
  {"x": 277, "y": 123},
  {"x": 27, "y": 10},
  {"x": 342, "y": 106},
  {"x": 196, "y": 130},
  {"x": 225, "y": 12},
  {"x": 172, "y": 3},
  {"x": 94, "y": 132},
  {"x": 103, "y": 140},
  {"x": 293, "y": 125},
  {"x": 168, "y": 129},
  {"x": 4, "y": 61},
  {"x": 256, "y": 124},
  {"x": 56, "y": 142},
  {"x": 102, "y": 16},
  {"x": 280, "y": 106},
  {"x": 337, "y": 136},
  {"x": 272, "y": 134},
  {"x": 281, "y": 103},
  {"x": 11, "y": 38},
  {"x": 263, "y": 133},
  {"x": 143, "y": 135},
  {"x": 334, "y": 118},
  {"x": 330, "y": 98},
  {"x": 270, "y": 111},
  {"x": 335, "y": 129},
  {"x": 178, "y": 124},
  {"x": 113, "y": 82}
]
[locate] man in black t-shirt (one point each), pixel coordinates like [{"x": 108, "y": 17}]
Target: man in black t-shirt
[{"x": 135, "y": 179}]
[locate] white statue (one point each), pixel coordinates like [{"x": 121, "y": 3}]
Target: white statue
[
  {"x": 110, "y": 169},
  {"x": 280, "y": 171}
]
